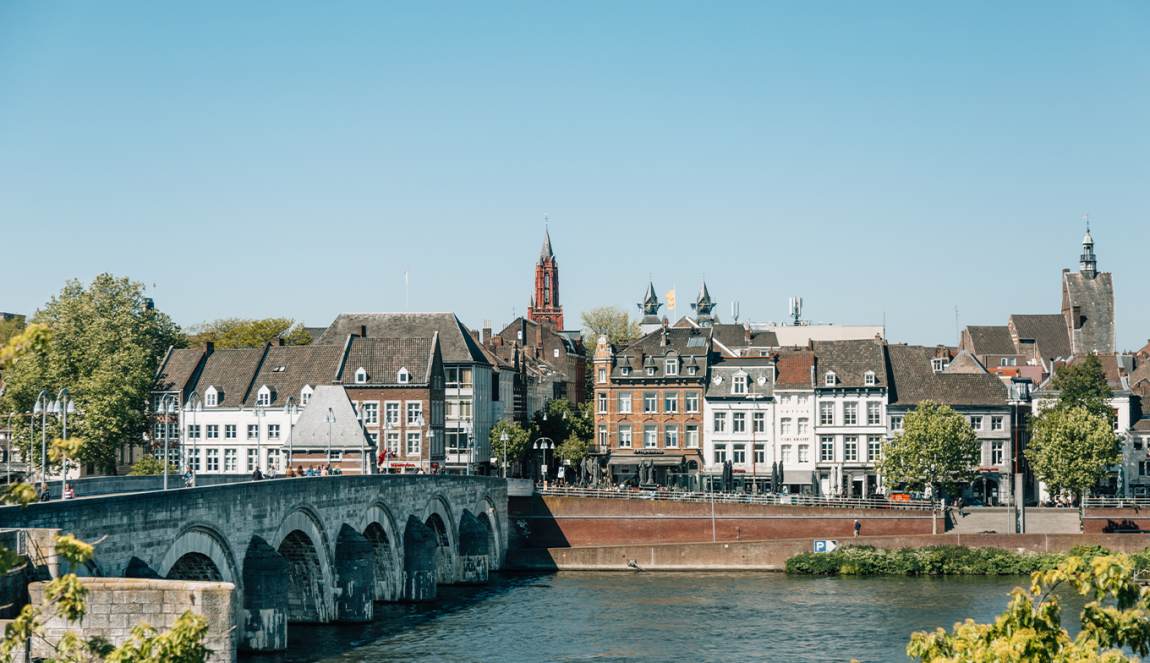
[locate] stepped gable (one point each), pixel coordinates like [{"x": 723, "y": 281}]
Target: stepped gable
[
  {"x": 381, "y": 359},
  {"x": 455, "y": 342},
  {"x": 287, "y": 369},
  {"x": 850, "y": 361},
  {"x": 991, "y": 341},
  {"x": 912, "y": 379}
]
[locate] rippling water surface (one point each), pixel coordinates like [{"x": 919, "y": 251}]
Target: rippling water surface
[{"x": 610, "y": 617}]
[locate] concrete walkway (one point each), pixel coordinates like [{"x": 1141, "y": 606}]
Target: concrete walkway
[{"x": 998, "y": 519}]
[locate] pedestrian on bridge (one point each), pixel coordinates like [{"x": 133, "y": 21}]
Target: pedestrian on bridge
[
  {"x": 69, "y": 494},
  {"x": 257, "y": 475},
  {"x": 858, "y": 526},
  {"x": 45, "y": 495}
]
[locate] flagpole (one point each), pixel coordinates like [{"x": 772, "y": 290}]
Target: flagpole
[{"x": 406, "y": 292}]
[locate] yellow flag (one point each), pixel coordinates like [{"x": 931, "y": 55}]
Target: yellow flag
[{"x": 670, "y": 298}]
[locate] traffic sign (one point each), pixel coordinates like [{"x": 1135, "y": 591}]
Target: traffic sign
[{"x": 826, "y": 546}]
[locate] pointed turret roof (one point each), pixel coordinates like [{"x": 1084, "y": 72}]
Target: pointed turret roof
[
  {"x": 546, "y": 252},
  {"x": 1087, "y": 240}
]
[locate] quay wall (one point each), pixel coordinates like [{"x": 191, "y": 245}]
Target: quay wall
[
  {"x": 1107, "y": 520},
  {"x": 553, "y": 521},
  {"x": 772, "y": 555}
]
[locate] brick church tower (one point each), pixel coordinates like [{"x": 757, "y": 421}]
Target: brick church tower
[{"x": 545, "y": 302}]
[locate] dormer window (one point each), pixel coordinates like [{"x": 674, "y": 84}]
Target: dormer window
[
  {"x": 937, "y": 365},
  {"x": 650, "y": 370},
  {"x": 304, "y": 395},
  {"x": 868, "y": 379},
  {"x": 626, "y": 370},
  {"x": 672, "y": 367},
  {"x": 211, "y": 397},
  {"x": 830, "y": 379},
  {"x": 360, "y": 375},
  {"x": 403, "y": 376},
  {"x": 739, "y": 386},
  {"x": 264, "y": 397},
  {"x": 691, "y": 370}
]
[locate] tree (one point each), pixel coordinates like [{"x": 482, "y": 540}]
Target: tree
[
  {"x": 10, "y": 328},
  {"x": 1084, "y": 385},
  {"x": 610, "y": 320},
  {"x": 149, "y": 464},
  {"x": 519, "y": 438},
  {"x": 1071, "y": 449},
  {"x": 107, "y": 344},
  {"x": 1031, "y": 628},
  {"x": 573, "y": 449},
  {"x": 243, "y": 333},
  {"x": 935, "y": 448}
]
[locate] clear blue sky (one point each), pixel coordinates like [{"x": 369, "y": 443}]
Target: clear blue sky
[{"x": 290, "y": 159}]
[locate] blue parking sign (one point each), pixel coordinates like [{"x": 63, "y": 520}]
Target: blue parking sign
[{"x": 826, "y": 546}]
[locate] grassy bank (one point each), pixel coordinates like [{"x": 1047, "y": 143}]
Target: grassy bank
[{"x": 939, "y": 560}]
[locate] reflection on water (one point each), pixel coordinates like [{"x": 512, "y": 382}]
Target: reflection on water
[{"x": 632, "y": 616}]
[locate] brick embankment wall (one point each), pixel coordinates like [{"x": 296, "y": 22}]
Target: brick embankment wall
[
  {"x": 549, "y": 521},
  {"x": 772, "y": 555},
  {"x": 115, "y": 605},
  {"x": 1098, "y": 521}
]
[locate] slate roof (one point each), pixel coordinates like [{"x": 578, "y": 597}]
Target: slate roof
[
  {"x": 302, "y": 365},
  {"x": 1095, "y": 296},
  {"x": 1048, "y": 331},
  {"x": 382, "y": 358},
  {"x": 229, "y": 371},
  {"x": 735, "y": 336},
  {"x": 754, "y": 367},
  {"x": 692, "y": 344},
  {"x": 850, "y": 360},
  {"x": 794, "y": 368},
  {"x": 991, "y": 340},
  {"x": 965, "y": 362},
  {"x": 455, "y": 342},
  {"x": 178, "y": 369},
  {"x": 913, "y": 380}
]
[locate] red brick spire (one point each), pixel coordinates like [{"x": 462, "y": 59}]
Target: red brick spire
[{"x": 545, "y": 302}]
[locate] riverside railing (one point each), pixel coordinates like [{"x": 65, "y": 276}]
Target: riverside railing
[
  {"x": 1116, "y": 502},
  {"x": 739, "y": 498}
]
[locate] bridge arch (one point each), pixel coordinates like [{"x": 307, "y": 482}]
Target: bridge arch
[
  {"x": 438, "y": 516},
  {"x": 303, "y": 542},
  {"x": 488, "y": 516},
  {"x": 200, "y": 552},
  {"x": 378, "y": 526}
]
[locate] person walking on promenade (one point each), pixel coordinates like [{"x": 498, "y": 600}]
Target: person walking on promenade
[
  {"x": 189, "y": 478},
  {"x": 45, "y": 495},
  {"x": 69, "y": 494},
  {"x": 256, "y": 475},
  {"x": 858, "y": 526},
  {"x": 272, "y": 472},
  {"x": 958, "y": 504}
]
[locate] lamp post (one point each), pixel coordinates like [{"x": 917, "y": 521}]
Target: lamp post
[
  {"x": 168, "y": 405},
  {"x": 260, "y": 412},
  {"x": 359, "y": 416},
  {"x": 41, "y": 408},
  {"x": 503, "y": 439},
  {"x": 195, "y": 404},
  {"x": 63, "y": 406},
  {"x": 387, "y": 427},
  {"x": 290, "y": 410},
  {"x": 470, "y": 428},
  {"x": 329, "y": 419},
  {"x": 10, "y": 434},
  {"x": 544, "y": 443}
]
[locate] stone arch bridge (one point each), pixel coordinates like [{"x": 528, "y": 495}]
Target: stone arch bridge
[{"x": 315, "y": 549}]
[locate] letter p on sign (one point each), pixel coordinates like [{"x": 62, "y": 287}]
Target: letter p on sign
[{"x": 826, "y": 546}]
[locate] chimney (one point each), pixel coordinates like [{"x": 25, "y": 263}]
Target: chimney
[
  {"x": 487, "y": 332},
  {"x": 539, "y": 333},
  {"x": 363, "y": 331},
  {"x": 474, "y": 334},
  {"x": 747, "y": 332},
  {"x": 209, "y": 347},
  {"x": 276, "y": 343},
  {"x": 878, "y": 339}
]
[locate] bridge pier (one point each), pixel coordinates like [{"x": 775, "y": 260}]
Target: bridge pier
[
  {"x": 419, "y": 559},
  {"x": 354, "y": 576},
  {"x": 474, "y": 554},
  {"x": 265, "y": 613}
]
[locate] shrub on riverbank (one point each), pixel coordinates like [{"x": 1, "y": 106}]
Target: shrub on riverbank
[{"x": 940, "y": 560}]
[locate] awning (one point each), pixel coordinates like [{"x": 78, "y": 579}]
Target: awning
[
  {"x": 799, "y": 477},
  {"x": 660, "y": 460}
]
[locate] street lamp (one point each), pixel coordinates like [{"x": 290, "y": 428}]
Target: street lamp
[
  {"x": 469, "y": 427},
  {"x": 260, "y": 413},
  {"x": 388, "y": 454},
  {"x": 290, "y": 410},
  {"x": 63, "y": 406},
  {"x": 329, "y": 419},
  {"x": 359, "y": 416},
  {"x": 41, "y": 408},
  {"x": 544, "y": 443},
  {"x": 503, "y": 439},
  {"x": 11, "y": 433},
  {"x": 169, "y": 404},
  {"x": 195, "y": 404}
]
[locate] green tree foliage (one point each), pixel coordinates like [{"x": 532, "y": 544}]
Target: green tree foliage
[
  {"x": 564, "y": 420},
  {"x": 573, "y": 449},
  {"x": 936, "y": 448},
  {"x": 149, "y": 464},
  {"x": 242, "y": 333},
  {"x": 1084, "y": 385},
  {"x": 610, "y": 320},
  {"x": 1070, "y": 450},
  {"x": 10, "y": 328},
  {"x": 1031, "y": 628},
  {"x": 107, "y": 346},
  {"x": 519, "y": 438}
]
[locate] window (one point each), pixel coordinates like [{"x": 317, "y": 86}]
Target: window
[
  {"x": 273, "y": 431},
  {"x": 868, "y": 379},
  {"x": 804, "y": 426},
  {"x": 873, "y": 447},
  {"x": 650, "y": 436},
  {"x": 458, "y": 378},
  {"x": 210, "y": 399},
  {"x": 739, "y": 454},
  {"x": 173, "y": 431},
  {"x": 193, "y": 432},
  {"x": 720, "y": 454},
  {"x": 601, "y": 402},
  {"x": 360, "y": 375},
  {"x": 739, "y": 386},
  {"x": 393, "y": 442},
  {"x": 158, "y": 432},
  {"x": 1002, "y": 362},
  {"x": 213, "y": 458},
  {"x": 829, "y": 379},
  {"x": 650, "y": 370},
  {"x": 403, "y": 376},
  {"x": 625, "y": 371},
  {"x": 785, "y": 399},
  {"x": 873, "y": 414},
  {"x": 415, "y": 412},
  {"x": 624, "y": 437},
  {"x": 785, "y": 453},
  {"x": 938, "y": 366},
  {"x": 650, "y": 401},
  {"x": 555, "y": 353},
  {"x": 976, "y": 423},
  {"x": 720, "y": 422},
  {"x": 672, "y": 367},
  {"x": 827, "y": 449},
  {"x": 691, "y": 370},
  {"x": 370, "y": 413},
  {"x": 996, "y": 453},
  {"x": 624, "y": 402},
  {"x": 274, "y": 459},
  {"x": 264, "y": 397},
  {"x": 850, "y": 448},
  {"x": 850, "y": 413},
  {"x": 785, "y": 426},
  {"x": 739, "y": 422},
  {"x": 996, "y": 423},
  {"x": 671, "y": 436},
  {"x": 602, "y": 376},
  {"x": 304, "y": 396},
  {"x": 253, "y": 460},
  {"x": 194, "y": 461},
  {"x": 253, "y": 431},
  {"x": 896, "y": 423},
  {"x": 601, "y": 435},
  {"x": 230, "y": 463},
  {"x": 760, "y": 422},
  {"x": 826, "y": 414},
  {"x": 230, "y": 432},
  {"x": 691, "y": 401},
  {"x": 391, "y": 413},
  {"x": 670, "y": 402},
  {"x": 413, "y": 443},
  {"x": 804, "y": 453},
  {"x": 213, "y": 432},
  {"x": 802, "y": 399},
  {"x": 760, "y": 455},
  {"x": 691, "y": 433},
  {"x": 374, "y": 439}
]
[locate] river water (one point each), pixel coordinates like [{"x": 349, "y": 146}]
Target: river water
[{"x": 614, "y": 617}]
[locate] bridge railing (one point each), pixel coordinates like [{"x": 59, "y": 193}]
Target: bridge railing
[
  {"x": 1117, "y": 502},
  {"x": 739, "y": 498}
]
